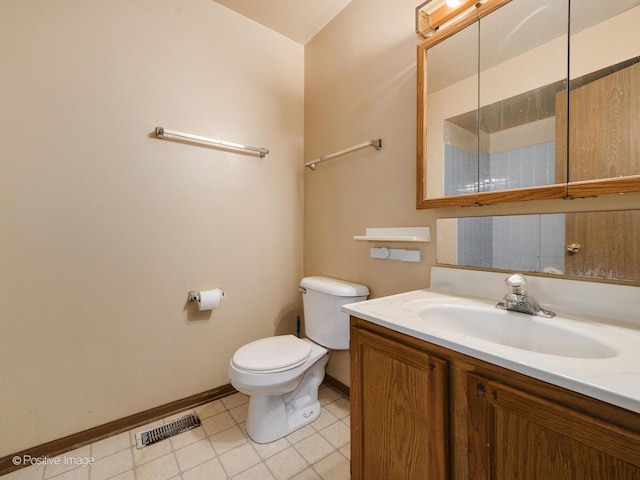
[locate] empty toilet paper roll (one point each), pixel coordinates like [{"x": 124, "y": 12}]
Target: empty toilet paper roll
[{"x": 210, "y": 299}]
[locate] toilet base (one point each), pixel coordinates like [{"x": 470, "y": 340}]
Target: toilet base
[{"x": 271, "y": 417}]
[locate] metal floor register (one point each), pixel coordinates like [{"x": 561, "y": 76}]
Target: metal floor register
[{"x": 149, "y": 437}]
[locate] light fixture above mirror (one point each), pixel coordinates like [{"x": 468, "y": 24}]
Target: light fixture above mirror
[{"x": 433, "y": 14}]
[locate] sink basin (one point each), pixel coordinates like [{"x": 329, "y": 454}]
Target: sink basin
[{"x": 511, "y": 329}]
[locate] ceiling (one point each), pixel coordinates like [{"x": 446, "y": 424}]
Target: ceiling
[{"x": 299, "y": 20}]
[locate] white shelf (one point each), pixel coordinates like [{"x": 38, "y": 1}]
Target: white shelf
[{"x": 396, "y": 234}]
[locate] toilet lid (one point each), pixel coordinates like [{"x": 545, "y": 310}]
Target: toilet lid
[{"x": 272, "y": 354}]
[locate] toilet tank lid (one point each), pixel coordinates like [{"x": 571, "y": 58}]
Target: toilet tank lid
[{"x": 331, "y": 286}]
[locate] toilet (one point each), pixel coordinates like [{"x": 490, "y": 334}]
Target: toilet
[{"x": 281, "y": 374}]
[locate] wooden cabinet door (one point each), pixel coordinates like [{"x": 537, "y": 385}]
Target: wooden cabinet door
[
  {"x": 398, "y": 411},
  {"x": 519, "y": 436}
]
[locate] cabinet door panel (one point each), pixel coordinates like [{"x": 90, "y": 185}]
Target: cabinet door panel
[
  {"x": 534, "y": 439},
  {"x": 398, "y": 411},
  {"x": 534, "y": 452}
]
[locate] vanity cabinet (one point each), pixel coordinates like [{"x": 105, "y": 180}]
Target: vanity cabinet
[
  {"x": 519, "y": 435},
  {"x": 420, "y": 411},
  {"x": 398, "y": 405}
]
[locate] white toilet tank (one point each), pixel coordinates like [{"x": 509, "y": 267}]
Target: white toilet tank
[{"x": 324, "y": 322}]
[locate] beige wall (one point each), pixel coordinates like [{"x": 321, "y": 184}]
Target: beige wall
[
  {"x": 104, "y": 229},
  {"x": 360, "y": 75},
  {"x": 360, "y": 84}
]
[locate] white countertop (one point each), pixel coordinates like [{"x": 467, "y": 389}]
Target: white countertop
[{"x": 615, "y": 379}]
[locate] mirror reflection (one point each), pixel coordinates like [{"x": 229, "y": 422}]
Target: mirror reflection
[
  {"x": 491, "y": 120},
  {"x": 523, "y": 64},
  {"x": 603, "y": 245},
  {"x": 604, "y": 108},
  {"x": 451, "y": 88},
  {"x": 498, "y": 121}
]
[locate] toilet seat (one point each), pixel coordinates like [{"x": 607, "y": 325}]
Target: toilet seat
[{"x": 272, "y": 354}]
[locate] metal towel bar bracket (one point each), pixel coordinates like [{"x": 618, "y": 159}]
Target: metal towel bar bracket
[
  {"x": 371, "y": 143},
  {"x": 166, "y": 133}
]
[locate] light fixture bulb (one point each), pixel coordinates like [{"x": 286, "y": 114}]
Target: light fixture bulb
[{"x": 453, "y": 3}]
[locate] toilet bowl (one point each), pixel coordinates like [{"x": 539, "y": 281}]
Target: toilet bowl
[
  {"x": 282, "y": 374},
  {"x": 283, "y": 399}
]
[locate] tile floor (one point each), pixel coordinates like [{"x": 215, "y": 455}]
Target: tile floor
[{"x": 219, "y": 449}]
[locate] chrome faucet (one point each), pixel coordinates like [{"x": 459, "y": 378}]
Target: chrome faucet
[{"x": 518, "y": 300}]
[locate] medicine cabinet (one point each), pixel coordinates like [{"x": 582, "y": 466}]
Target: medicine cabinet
[{"x": 528, "y": 100}]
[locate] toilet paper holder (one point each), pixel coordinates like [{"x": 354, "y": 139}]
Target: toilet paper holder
[{"x": 193, "y": 296}]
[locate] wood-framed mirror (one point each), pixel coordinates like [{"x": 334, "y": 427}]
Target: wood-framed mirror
[
  {"x": 604, "y": 107},
  {"x": 494, "y": 124}
]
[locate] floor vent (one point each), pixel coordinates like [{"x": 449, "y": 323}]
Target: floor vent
[{"x": 144, "y": 439}]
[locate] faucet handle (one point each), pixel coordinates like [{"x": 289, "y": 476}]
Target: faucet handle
[{"x": 516, "y": 283}]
